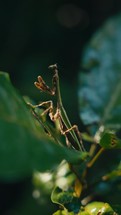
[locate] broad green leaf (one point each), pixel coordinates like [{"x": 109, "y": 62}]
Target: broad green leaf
[
  {"x": 109, "y": 140},
  {"x": 100, "y": 77},
  {"x": 24, "y": 147},
  {"x": 95, "y": 208}
]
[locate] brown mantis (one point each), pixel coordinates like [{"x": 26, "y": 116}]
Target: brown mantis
[{"x": 57, "y": 114}]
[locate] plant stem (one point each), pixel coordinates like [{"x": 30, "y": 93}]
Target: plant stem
[
  {"x": 90, "y": 164},
  {"x": 64, "y": 118}
]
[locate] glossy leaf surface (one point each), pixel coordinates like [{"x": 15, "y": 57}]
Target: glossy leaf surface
[{"x": 95, "y": 208}]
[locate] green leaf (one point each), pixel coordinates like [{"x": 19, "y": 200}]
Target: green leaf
[
  {"x": 61, "y": 197},
  {"x": 23, "y": 147},
  {"x": 102, "y": 208},
  {"x": 100, "y": 84},
  {"x": 109, "y": 140},
  {"x": 66, "y": 199}
]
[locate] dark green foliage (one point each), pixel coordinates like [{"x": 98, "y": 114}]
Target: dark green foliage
[
  {"x": 23, "y": 145},
  {"x": 100, "y": 107}
]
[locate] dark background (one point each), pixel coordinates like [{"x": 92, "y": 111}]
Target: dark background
[{"x": 33, "y": 35}]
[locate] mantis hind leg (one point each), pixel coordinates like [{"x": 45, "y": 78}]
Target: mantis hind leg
[{"x": 78, "y": 134}]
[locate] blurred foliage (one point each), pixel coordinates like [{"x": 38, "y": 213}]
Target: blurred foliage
[
  {"x": 100, "y": 106},
  {"x": 23, "y": 143},
  {"x": 33, "y": 35},
  {"x": 100, "y": 87}
]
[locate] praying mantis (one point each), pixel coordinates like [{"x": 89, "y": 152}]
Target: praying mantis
[{"x": 57, "y": 114}]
